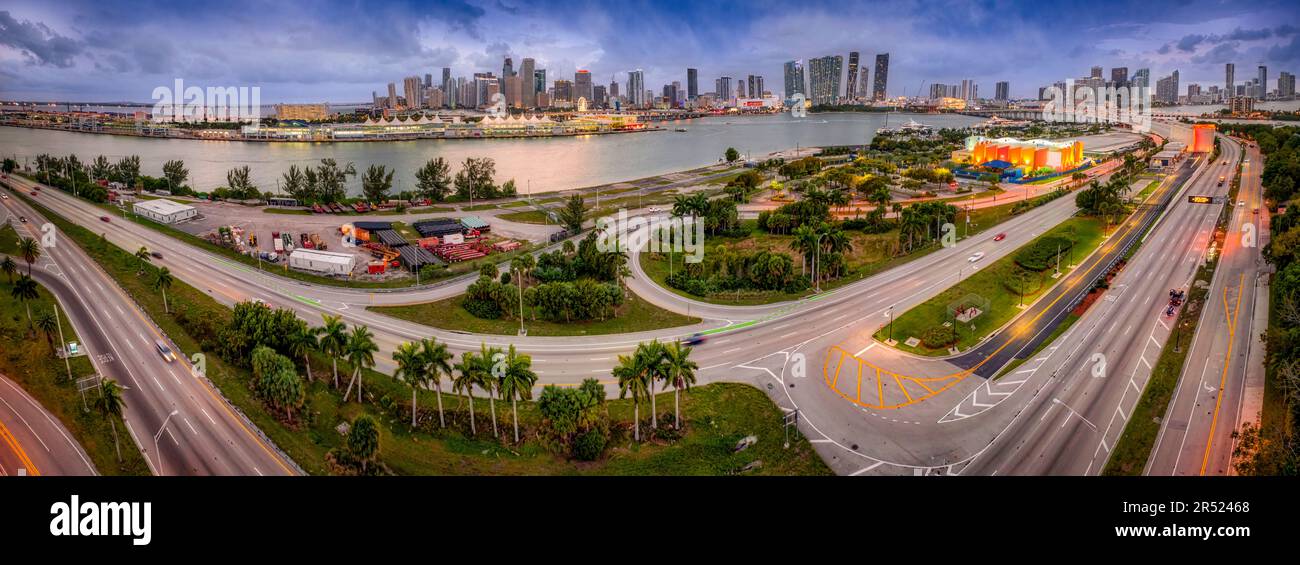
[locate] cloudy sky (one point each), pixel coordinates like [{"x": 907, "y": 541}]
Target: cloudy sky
[{"x": 339, "y": 51}]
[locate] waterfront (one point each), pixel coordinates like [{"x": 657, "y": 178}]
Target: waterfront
[{"x": 551, "y": 164}]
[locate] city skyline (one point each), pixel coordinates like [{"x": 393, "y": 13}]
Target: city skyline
[{"x": 45, "y": 54}]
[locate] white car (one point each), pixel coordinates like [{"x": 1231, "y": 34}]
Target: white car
[
  {"x": 1241, "y": 202},
  {"x": 976, "y": 257}
]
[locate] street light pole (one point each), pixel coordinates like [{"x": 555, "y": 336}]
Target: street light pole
[
  {"x": 157, "y": 454},
  {"x": 891, "y": 323}
]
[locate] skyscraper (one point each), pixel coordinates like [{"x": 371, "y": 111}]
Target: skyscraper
[
  {"x": 613, "y": 89},
  {"x": 392, "y": 95},
  {"x": 1262, "y": 93},
  {"x": 636, "y": 88},
  {"x": 447, "y": 85},
  {"x": 1229, "y": 81},
  {"x": 722, "y": 87},
  {"x": 755, "y": 86},
  {"x": 692, "y": 84},
  {"x": 741, "y": 92},
  {"x": 582, "y": 85},
  {"x": 1119, "y": 77},
  {"x": 564, "y": 91},
  {"x": 794, "y": 81},
  {"x": 507, "y": 68},
  {"x": 851, "y": 82},
  {"x": 878, "y": 89},
  {"x": 528, "y": 83},
  {"x": 825, "y": 79},
  {"x": 1167, "y": 89},
  {"x": 1096, "y": 72},
  {"x": 539, "y": 80},
  {"x": 1285, "y": 85},
  {"x": 1142, "y": 78},
  {"x": 1002, "y": 90},
  {"x": 599, "y": 96},
  {"x": 428, "y": 80}
]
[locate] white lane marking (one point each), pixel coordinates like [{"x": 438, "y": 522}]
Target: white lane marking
[
  {"x": 155, "y": 381},
  {"x": 209, "y": 416},
  {"x": 191, "y": 426},
  {"x": 864, "y": 349},
  {"x": 258, "y": 471},
  {"x": 867, "y": 468},
  {"x": 732, "y": 350},
  {"x": 598, "y": 359}
]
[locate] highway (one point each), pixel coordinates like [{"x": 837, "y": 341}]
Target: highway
[
  {"x": 1197, "y": 433},
  {"x": 203, "y": 434},
  {"x": 32, "y": 441}
]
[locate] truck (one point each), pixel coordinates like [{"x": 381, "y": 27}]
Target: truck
[
  {"x": 279, "y": 245},
  {"x": 1221, "y": 179}
]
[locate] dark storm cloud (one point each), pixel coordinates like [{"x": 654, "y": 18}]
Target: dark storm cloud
[{"x": 40, "y": 44}]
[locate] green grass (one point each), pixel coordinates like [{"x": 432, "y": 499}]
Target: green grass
[
  {"x": 28, "y": 359},
  {"x": 478, "y": 207},
  {"x": 988, "y": 282},
  {"x": 8, "y": 240},
  {"x": 717, "y": 415},
  {"x": 287, "y": 211},
  {"x": 636, "y": 315}
]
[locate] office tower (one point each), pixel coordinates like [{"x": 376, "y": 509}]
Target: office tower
[
  {"x": 563, "y": 91},
  {"x": 965, "y": 89},
  {"x": 740, "y": 89},
  {"x": 794, "y": 81},
  {"x": 864, "y": 82},
  {"x": 447, "y": 84},
  {"x": 636, "y": 89},
  {"x": 514, "y": 91},
  {"x": 1229, "y": 80},
  {"x": 507, "y": 68},
  {"x": 1096, "y": 72},
  {"x": 485, "y": 85},
  {"x": 825, "y": 79},
  {"x": 1167, "y": 89},
  {"x": 613, "y": 89},
  {"x": 692, "y": 84},
  {"x": 1262, "y": 93},
  {"x": 1002, "y": 90},
  {"x": 878, "y": 89},
  {"x": 1141, "y": 78},
  {"x": 599, "y": 96},
  {"x": 679, "y": 95},
  {"x": 1193, "y": 90},
  {"x": 938, "y": 91},
  {"x": 411, "y": 88},
  {"x": 1285, "y": 85},
  {"x": 761, "y": 90},
  {"x": 582, "y": 85},
  {"x": 851, "y": 82},
  {"x": 528, "y": 83},
  {"x": 670, "y": 95},
  {"x": 428, "y": 80},
  {"x": 974, "y": 91},
  {"x": 723, "y": 88},
  {"x": 392, "y": 95},
  {"x": 1119, "y": 77},
  {"x": 539, "y": 81},
  {"x": 374, "y": 99}
]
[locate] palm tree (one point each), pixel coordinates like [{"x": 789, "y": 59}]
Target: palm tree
[
  {"x": 30, "y": 251},
  {"x": 653, "y": 354},
  {"x": 142, "y": 255},
  {"x": 162, "y": 282},
  {"x": 489, "y": 377},
  {"x": 805, "y": 241},
  {"x": 437, "y": 362},
  {"x": 46, "y": 323},
  {"x": 517, "y": 383},
  {"x": 681, "y": 373},
  {"x": 111, "y": 405},
  {"x": 9, "y": 267},
  {"x": 302, "y": 341},
  {"x": 633, "y": 374},
  {"x": 333, "y": 342},
  {"x": 410, "y": 370},
  {"x": 463, "y": 382},
  {"x": 361, "y": 350},
  {"x": 25, "y": 290}
]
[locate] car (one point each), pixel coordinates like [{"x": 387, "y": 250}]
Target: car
[
  {"x": 33, "y": 193},
  {"x": 976, "y": 257},
  {"x": 1241, "y": 202},
  {"x": 4, "y": 196},
  {"x": 22, "y": 219},
  {"x": 1255, "y": 211},
  {"x": 104, "y": 219},
  {"x": 696, "y": 339},
  {"x": 155, "y": 254},
  {"x": 165, "y": 351},
  {"x": 999, "y": 237}
]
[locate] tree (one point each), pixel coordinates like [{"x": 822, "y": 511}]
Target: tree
[
  {"x": 294, "y": 183},
  {"x": 434, "y": 179},
  {"x": 363, "y": 440},
  {"x": 30, "y": 251},
  {"x": 45, "y": 322},
  {"x": 681, "y": 374},
  {"x": 361, "y": 350},
  {"x": 111, "y": 405},
  {"x": 302, "y": 341},
  {"x": 9, "y": 166},
  {"x": 634, "y": 374},
  {"x": 142, "y": 256},
  {"x": 163, "y": 281},
  {"x": 516, "y": 383},
  {"x": 411, "y": 369},
  {"x": 490, "y": 369},
  {"x": 467, "y": 375},
  {"x": 475, "y": 178},
  {"x": 732, "y": 154},
  {"x": 25, "y": 290},
  {"x": 437, "y": 362},
  {"x": 331, "y": 179},
  {"x": 573, "y": 213},
  {"x": 334, "y": 342},
  {"x": 376, "y": 183},
  {"x": 175, "y": 173},
  {"x": 10, "y": 267},
  {"x": 241, "y": 186}
]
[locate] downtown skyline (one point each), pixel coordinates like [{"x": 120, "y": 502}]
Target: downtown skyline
[{"x": 47, "y": 55}]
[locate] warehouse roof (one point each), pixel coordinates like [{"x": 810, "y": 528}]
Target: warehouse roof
[
  {"x": 323, "y": 256},
  {"x": 163, "y": 206}
]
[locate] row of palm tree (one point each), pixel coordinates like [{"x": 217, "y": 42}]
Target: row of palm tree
[{"x": 651, "y": 363}]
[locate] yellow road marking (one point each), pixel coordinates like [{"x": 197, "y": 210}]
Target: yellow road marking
[
  {"x": 1227, "y": 360},
  {"x": 18, "y": 450}
]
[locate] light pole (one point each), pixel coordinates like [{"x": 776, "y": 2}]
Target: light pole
[
  {"x": 891, "y": 323},
  {"x": 817, "y": 253},
  {"x": 158, "y": 455}
]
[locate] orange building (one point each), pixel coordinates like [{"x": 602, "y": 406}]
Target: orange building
[
  {"x": 1203, "y": 138},
  {"x": 1027, "y": 155}
]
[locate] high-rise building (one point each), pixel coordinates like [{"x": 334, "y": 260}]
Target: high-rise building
[
  {"x": 967, "y": 92},
  {"x": 1002, "y": 90},
  {"x": 528, "y": 83},
  {"x": 599, "y": 96},
  {"x": 515, "y": 90},
  {"x": 392, "y": 96},
  {"x": 692, "y": 84},
  {"x": 1229, "y": 80},
  {"x": 613, "y": 90},
  {"x": 1285, "y": 85},
  {"x": 1119, "y": 77},
  {"x": 938, "y": 90},
  {"x": 582, "y": 85},
  {"x": 563, "y": 91},
  {"x": 1167, "y": 89},
  {"x": 755, "y": 86},
  {"x": 1262, "y": 93},
  {"x": 428, "y": 80},
  {"x": 824, "y": 83},
  {"x": 864, "y": 82},
  {"x": 670, "y": 95},
  {"x": 636, "y": 89},
  {"x": 878, "y": 89},
  {"x": 741, "y": 92},
  {"x": 1096, "y": 72},
  {"x": 851, "y": 82},
  {"x": 722, "y": 87},
  {"x": 1141, "y": 78},
  {"x": 539, "y": 81},
  {"x": 794, "y": 81},
  {"x": 507, "y": 68},
  {"x": 1193, "y": 90}
]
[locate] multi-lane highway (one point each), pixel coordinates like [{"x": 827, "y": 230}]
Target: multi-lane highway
[
  {"x": 32, "y": 441},
  {"x": 1197, "y": 432},
  {"x": 179, "y": 420}
]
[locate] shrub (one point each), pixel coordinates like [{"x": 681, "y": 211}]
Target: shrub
[
  {"x": 937, "y": 337},
  {"x": 589, "y": 445}
]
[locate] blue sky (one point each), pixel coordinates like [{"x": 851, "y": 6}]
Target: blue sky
[{"x": 339, "y": 51}]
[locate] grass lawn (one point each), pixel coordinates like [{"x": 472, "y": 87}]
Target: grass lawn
[
  {"x": 527, "y": 217},
  {"x": 287, "y": 211},
  {"x": 635, "y": 315},
  {"x": 717, "y": 415},
  {"x": 608, "y": 206},
  {"x": 478, "y": 207},
  {"x": 28, "y": 359},
  {"x": 9, "y": 240},
  {"x": 989, "y": 283}
]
